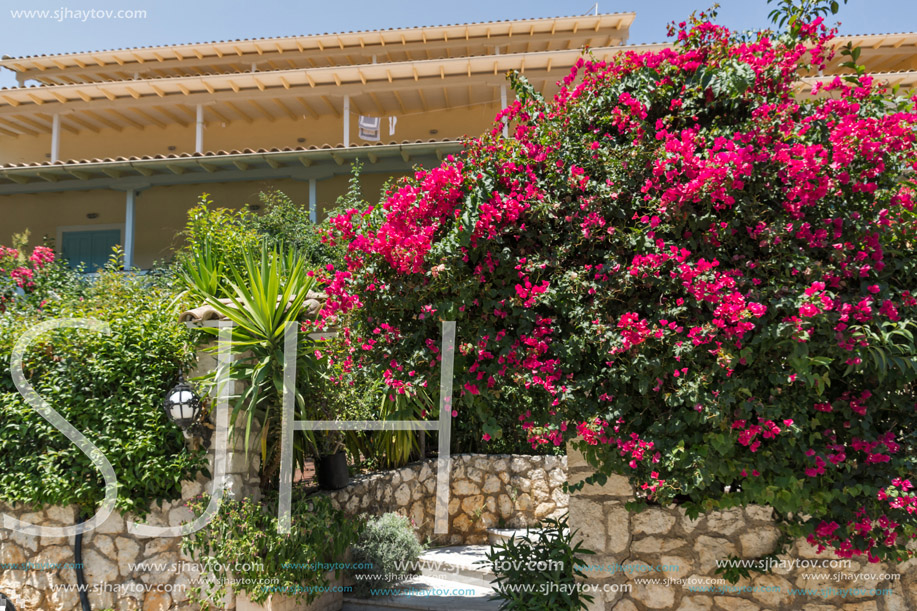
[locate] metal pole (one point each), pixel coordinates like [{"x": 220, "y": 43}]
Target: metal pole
[
  {"x": 55, "y": 138},
  {"x": 129, "y": 230},
  {"x": 502, "y": 106},
  {"x": 313, "y": 201},
  {"x": 199, "y": 130},
  {"x": 346, "y": 120}
]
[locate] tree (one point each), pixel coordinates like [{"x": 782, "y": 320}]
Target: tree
[{"x": 699, "y": 277}]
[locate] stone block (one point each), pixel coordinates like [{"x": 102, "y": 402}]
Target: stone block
[
  {"x": 759, "y": 513},
  {"x": 656, "y": 545},
  {"x": 695, "y": 603},
  {"x": 726, "y": 523},
  {"x": 473, "y": 504},
  {"x": 772, "y": 591},
  {"x": 588, "y": 517},
  {"x": 543, "y": 510},
  {"x": 575, "y": 458},
  {"x": 681, "y": 566},
  {"x": 403, "y": 495},
  {"x": 617, "y": 527},
  {"x": 758, "y": 541},
  {"x": 617, "y": 485},
  {"x": 26, "y": 542},
  {"x": 465, "y": 488},
  {"x": 191, "y": 489},
  {"x": 157, "y": 601},
  {"x": 710, "y": 549},
  {"x": 128, "y": 553},
  {"x": 462, "y": 523},
  {"x": 653, "y": 521},
  {"x": 103, "y": 543},
  {"x": 492, "y": 484},
  {"x": 61, "y": 516},
  {"x": 180, "y": 515},
  {"x": 505, "y": 506},
  {"x": 686, "y": 523},
  {"x": 98, "y": 568},
  {"x": 734, "y": 603},
  {"x": 654, "y": 596}
]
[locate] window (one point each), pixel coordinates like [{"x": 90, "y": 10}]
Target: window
[{"x": 91, "y": 247}]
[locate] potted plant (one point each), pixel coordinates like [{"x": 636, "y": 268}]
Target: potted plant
[
  {"x": 327, "y": 446},
  {"x": 331, "y": 461}
]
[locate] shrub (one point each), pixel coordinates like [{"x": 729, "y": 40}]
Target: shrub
[
  {"x": 241, "y": 546},
  {"x": 538, "y": 572},
  {"x": 389, "y": 545},
  {"x": 216, "y": 241},
  {"x": 33, "y": 278},
  {"x": 699, "y": 279},
  {"x": 110, "y": 387},
  {"x": 283, "y": 222}
]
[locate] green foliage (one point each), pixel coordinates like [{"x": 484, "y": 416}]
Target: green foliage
[
  {"x": 546, "y": 558},
  {"x": 266, "y": 294},
  {"x": 216, "y": 239},
  {"x": 791, "y": 13},
  {"x": 110, "y": 387},
  {"x": 509, "y": 438},
  {"x": 388, "y": 544},
  {"x": 242, "y": 550},
  {"x": 287, "y": 224},
  {"x": 698, "y": 277}
]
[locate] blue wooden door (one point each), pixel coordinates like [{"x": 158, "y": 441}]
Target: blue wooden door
[{"x": 93, "y": 248}]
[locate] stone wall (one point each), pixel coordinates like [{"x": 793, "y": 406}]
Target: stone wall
[
  {"x": 633, "y": 547},
  {"x": 109, "y": 556},
  {"x": 507, "y": 491},
  {"x": 110, "y": 553}
]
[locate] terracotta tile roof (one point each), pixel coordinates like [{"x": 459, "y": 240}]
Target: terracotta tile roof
[{"x": 223, "y": 153}]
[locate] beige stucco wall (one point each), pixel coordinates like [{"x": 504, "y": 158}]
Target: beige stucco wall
[
  {"x": 160, "y": 212},
  {"x": 239, "y": 135}
]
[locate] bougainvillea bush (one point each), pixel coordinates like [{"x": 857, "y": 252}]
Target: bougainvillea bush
[
  {"x": 696, "y": 271},
  {"x": 31, "y": 278}
]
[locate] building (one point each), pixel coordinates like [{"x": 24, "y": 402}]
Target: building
[{"x": 113, "y": 147}]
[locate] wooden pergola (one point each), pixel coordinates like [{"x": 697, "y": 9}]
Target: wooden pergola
[{"x": 325, "y": 50}]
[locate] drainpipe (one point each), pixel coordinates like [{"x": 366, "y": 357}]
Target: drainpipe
[
  {"x": 5, "y": 603},
  {"x": 80, "y": 576}
]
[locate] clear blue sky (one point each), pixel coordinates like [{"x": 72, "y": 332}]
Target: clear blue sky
[{"x": 179, "y": 21}]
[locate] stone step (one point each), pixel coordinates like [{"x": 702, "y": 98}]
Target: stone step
[
  {"x": 501, "y": 535},
  {"x": 462, "y": 563},
  {"x": 425, "y": 593}
]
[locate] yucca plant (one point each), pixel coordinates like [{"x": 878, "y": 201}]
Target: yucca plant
[
  {"x": 204, "y": 270},
  {"x": 394, "y": 449},
  {"x": 264, "y": 296}
]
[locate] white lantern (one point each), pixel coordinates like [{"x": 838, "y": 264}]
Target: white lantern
[{"x": 182, "y": 405}]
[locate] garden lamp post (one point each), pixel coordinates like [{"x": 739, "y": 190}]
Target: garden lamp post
[{"x": 183, "y": 406}]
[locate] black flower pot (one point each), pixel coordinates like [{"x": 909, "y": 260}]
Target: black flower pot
[{"x": 332, "y": 471}]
